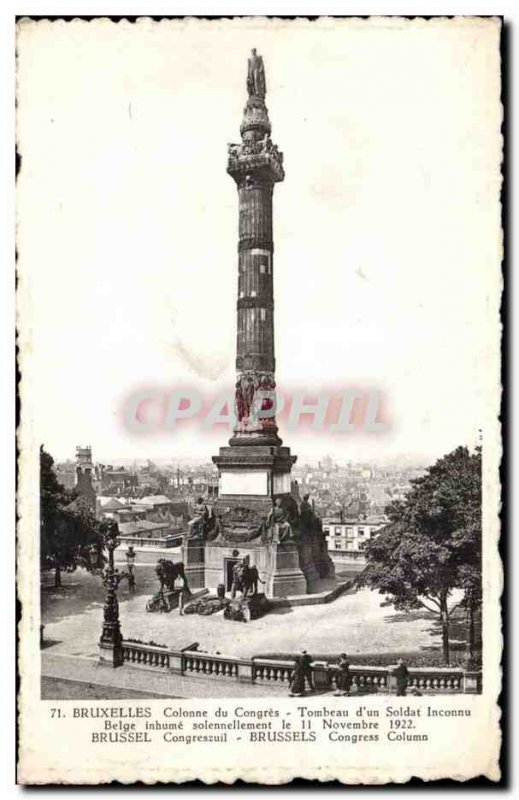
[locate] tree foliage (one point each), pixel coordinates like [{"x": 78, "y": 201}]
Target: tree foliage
[
  {"x": 432, "y": 545},
  {"x": 70, "y": 536}
]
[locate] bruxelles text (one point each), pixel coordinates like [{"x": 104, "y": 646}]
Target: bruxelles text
[{"x": 178, "y": 725}]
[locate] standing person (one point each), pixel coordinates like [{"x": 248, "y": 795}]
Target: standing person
[
  {"x": 343, "y": 676},
  {"x": 181, "y": 603},
  {"x": 131, "y": 583},
  {"x": 297, "y": 681},
  {"x": 401, "y": 674},
  {"x": 306, "y": 667}
]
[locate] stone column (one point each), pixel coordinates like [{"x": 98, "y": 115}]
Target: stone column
[
  {"x": 255, "y": 468},
  {"x": 255, "y": 165}
]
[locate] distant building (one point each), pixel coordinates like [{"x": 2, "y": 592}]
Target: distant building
[
  {"x": 152, "y": 516},
  {"x": 84, "y": 470},
  {"x": 108, "y": 507},
  {"x": 117, "y": 480},
  {"x": 144, "y": 533},
  {"x": 348, "y": 537},
  {"x": 66, "y": 474},
  {"x": 144, "y": 529},
  {"x": 399, "y": 491}
]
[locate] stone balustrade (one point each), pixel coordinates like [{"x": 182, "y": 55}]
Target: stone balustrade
[
  {"x": 431, "y": 680},
  {"x": 425, "y": 680},
  {"x": 145, "y": 655},
  {"x": 364, "y": 679},
  {"x": 267, "y": 670},
  {"x": 370, "y": 678},
  {"x": 205, "y": 664},
  {"x": 171, "y": 540}
]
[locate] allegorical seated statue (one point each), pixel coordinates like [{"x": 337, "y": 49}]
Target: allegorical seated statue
[
  {"x": 281, "y": 522},
  {"x": 201, "y": 526}
]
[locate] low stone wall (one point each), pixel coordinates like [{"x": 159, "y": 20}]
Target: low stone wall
[
  {"x": 356, "y": 557},
  {"x": 160, "y": 542},
  {"x": 364, "y": 679}
]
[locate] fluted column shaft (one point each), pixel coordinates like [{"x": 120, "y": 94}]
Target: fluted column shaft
[{"x": 255, "y": 307}]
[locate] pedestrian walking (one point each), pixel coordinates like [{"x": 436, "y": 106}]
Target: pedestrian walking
[
  {"x": 297, "y": 681},
  {"x": 306, "y": 667}
]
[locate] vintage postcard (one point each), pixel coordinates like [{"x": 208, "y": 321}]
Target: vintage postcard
[{"x": 259, "y": 283}]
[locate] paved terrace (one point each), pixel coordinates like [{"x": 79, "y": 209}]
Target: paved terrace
[{"x": 355, "y": 622}]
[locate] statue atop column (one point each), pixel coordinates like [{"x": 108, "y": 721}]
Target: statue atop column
[{"x": 256, "y": 82}]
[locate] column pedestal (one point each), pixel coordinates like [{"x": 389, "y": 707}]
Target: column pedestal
[{"x": 252, "y": 476}]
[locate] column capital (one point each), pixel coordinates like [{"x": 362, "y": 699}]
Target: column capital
[{"x": 255, "y": 163}]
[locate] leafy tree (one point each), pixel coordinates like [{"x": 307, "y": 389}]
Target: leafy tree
[
  {"x": 432, "y": 545},
  {"x": 69, "y": 533},
  {"x": 468, "y": 539}
]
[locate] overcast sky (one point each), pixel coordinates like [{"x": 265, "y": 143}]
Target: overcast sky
[{"x": 387, "y": 229}]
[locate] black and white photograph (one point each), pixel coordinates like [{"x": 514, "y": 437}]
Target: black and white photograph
[{"x": 259, "y": 287}]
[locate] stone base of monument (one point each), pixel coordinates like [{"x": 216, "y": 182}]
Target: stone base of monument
[
  {"x": 221, "y": 557},
  {"x": 253, "y": 470},
  {"x": 311, "y": 574},
  {"x": 315, "y": 562},
  {"x": 193, "y": 558},
  {"x": 321, "y": 557},
  {"x": 284, "y": 576},
  {"x": 245, "y": 609}
]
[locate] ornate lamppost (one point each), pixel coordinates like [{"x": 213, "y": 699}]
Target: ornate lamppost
[{"x": 110, "y": 643}]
